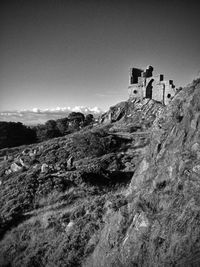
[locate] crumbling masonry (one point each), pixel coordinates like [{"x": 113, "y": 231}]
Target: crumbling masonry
[{"x": 142, "y": 84}]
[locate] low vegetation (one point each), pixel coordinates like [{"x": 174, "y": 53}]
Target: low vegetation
[{"x": 54, "y": 217}]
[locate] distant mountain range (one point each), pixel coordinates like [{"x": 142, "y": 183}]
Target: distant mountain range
[{"x": 39, "y": 116}]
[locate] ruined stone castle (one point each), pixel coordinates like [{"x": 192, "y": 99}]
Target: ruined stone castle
[{"x": 142, "y": 84}]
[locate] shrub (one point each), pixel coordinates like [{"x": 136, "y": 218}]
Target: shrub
[{"x": 94, "y": 143}]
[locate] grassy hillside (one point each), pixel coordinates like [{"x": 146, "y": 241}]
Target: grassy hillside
[{"x": 53, "y": 204}]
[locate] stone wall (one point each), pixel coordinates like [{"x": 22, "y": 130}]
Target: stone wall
[
  {"x": 142, "y": 84},
  {"x": 135, "y": 91},
  {"x": 169, "y": 91},
  {"x": 158, "y": 91}
]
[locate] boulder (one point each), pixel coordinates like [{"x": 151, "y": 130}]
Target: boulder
[
  {"x": 15, "y": 167},
  {"x": 44, "y": 168},
  {"x": 26, "y": 151},
  {"x": 22, "y": 162},
  {"x": 8, "y": 171},
  {"x": 70, "y": 162}
]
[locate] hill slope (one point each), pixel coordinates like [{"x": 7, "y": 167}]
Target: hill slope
[{"x": 125, "y": 193}]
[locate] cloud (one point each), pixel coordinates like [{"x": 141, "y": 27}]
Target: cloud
[
  {"x": 64, "y": 110},
  {"x": 36, "y": 110},
  {"x": 36, "y": 115},
  {"x": 82, "y": 109}
]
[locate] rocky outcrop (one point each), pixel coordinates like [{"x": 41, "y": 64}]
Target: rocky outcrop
[
  {"x": 160, "y": 224},
  {"x": 137, "y": 112}
]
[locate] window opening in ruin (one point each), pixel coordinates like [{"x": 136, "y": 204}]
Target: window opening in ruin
[{"x": 149, "y": 89}]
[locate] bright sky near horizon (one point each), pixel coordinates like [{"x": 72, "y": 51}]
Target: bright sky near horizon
[{"x": 72, "y": 52}]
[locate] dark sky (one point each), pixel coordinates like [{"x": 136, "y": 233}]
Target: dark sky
[{"x": 67, "y": 53}]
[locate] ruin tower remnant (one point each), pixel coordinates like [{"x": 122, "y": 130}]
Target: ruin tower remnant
[{"x": 143, "y": 84}]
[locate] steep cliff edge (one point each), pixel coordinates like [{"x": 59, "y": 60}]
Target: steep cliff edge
[{"x": 160, "y": 224}]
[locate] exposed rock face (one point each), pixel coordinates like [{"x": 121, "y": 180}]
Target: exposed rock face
[
  {"x": 160, "y": 225},
  {"x": 138, "y": 112}
]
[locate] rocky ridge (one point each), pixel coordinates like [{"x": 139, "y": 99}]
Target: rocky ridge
[{"x": 159, "y": 226}]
